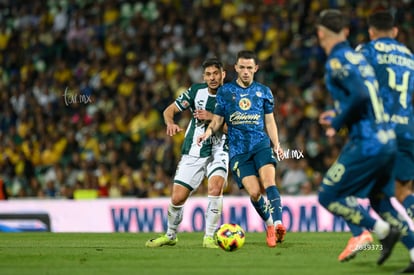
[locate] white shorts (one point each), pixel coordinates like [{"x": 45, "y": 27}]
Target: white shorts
[{"x": 192, "y": 170}]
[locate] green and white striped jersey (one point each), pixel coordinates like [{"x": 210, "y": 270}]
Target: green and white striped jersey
[{"x": 197, "y": 97}]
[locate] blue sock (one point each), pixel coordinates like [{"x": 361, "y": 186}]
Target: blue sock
[
  {"x": 356, "y": 230},
  {"x": 352, "y": 213},
  {"x": 387, "y": 211},
  {"x": 273, "y": 197},
  {"x": 261, "y": 209},
  {"x": 408, "y": 204}
]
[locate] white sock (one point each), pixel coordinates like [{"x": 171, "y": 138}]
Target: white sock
[
  {"x": 278, "y": 222},
  {"x": 269, "y": 221},
  {"x": 213, "y": 214},
  {"x": 175, "y": 216},
  {"x": 412, "y": 255},
  {"x": 381, "y": 228}
]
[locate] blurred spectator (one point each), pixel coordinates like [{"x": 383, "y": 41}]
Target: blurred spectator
[
  {"x": 293, "y": 178},
  {"x": 3, "y": 191},
  {"x": 306, "y": 188}
]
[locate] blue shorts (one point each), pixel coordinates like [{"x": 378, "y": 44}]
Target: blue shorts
[
  {"x": 248, "y": 164},
  {"x": 354, "y": 174},
  {"x": 404, "y": 163}
]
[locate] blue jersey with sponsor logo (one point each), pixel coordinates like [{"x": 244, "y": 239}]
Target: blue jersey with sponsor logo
[
  {"x": 243, "y": 110},
  {"x": 352, "y": 83},
  {"x": 393, "y": 63}
]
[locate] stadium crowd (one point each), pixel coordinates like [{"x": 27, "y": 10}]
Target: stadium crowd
[{"x": 84, "y": 83}]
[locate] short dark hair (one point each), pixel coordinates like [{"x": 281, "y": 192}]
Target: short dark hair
[
  {"x": 381, "y": 20},
  {"x": 333, "y": 20},
  {"x": 246, "y": 54},
  {"x": 212, "y": 62}
]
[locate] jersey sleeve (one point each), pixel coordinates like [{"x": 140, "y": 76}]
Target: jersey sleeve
[
  {"x": 185, "y": 100},
  {"x": 220, "y": 103},
  {"x": 350, "y": 80},
  {"x": 269, "y": 102}
]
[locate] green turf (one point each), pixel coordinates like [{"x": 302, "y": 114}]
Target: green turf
[{"x": 125, "y": 253}]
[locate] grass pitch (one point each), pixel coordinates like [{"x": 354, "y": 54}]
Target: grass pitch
[{"x": 125, "y": 253}]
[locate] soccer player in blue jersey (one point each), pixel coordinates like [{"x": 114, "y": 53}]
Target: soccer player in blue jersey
[
  {"x": 246, "y": 107},
  {"x": 362, "y": 169},
  {"x": 209, "y": 160},
  {"x": 393, "y": 64}
]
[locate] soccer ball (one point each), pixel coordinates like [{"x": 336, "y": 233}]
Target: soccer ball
[{"x": 230, "y": 236}]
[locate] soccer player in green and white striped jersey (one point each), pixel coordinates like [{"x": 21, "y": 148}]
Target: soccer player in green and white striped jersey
[{"x": 197, "y": 162}]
